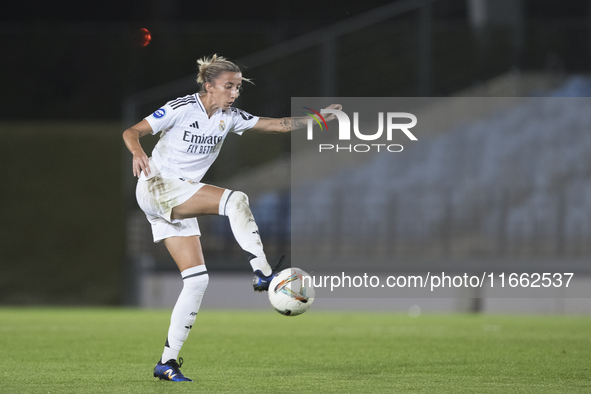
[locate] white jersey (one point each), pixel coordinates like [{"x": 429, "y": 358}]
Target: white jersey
[{"x": 190, "y": 141}]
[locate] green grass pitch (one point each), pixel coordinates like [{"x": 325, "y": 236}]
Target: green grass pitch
[{"x": 57, "y": 350}]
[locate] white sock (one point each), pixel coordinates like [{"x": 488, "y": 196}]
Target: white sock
[
  {"x": 195, "y": 280},
  {"x": 235, "y": 206}
]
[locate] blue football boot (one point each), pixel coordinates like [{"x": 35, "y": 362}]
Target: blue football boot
[
  {"x": 261, "y": 282},
  {"x": 170, "y": 371}
]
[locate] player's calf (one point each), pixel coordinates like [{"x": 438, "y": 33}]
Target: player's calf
[{"x": 234, "y": 205}]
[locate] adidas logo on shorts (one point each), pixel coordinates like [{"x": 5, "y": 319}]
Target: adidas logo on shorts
[{"x": 194, "y": 124}]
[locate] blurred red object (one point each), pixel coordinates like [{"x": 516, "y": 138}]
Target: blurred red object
[{"x": 143, "y": 37}]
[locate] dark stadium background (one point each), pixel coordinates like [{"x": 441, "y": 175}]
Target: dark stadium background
[{"x": 67, "y": 68}]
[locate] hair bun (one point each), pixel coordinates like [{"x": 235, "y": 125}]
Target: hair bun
[{"x": 211, "y": 67}]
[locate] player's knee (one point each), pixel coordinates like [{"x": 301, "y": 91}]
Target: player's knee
[
  {"x": 239, "y": 198},
  {"x": 233, "y": 201},
  {"x": 237, "y": 201},
  {"x": 197, "y": 283}
]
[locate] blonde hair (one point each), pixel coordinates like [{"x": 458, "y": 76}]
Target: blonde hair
[{"x": 211, "y": 67}]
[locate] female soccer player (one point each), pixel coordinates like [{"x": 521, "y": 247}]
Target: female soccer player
[{"x": 170, "y": 192}]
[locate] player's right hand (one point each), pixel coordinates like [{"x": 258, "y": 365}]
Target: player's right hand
[
  {"x": 329, "y": 117},
  {"x": 140, "y": 163}
]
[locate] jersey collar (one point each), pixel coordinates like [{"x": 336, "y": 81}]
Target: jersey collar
[{"x": 200, "y": 103}]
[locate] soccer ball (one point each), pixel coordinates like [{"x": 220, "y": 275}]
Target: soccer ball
[{"x": 289, "y": 294}]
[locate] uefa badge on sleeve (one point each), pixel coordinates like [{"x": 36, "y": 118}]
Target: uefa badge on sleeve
[{"x": 159, "y": 113}]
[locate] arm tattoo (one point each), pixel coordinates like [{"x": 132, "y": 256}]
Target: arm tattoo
[
  {"x": 285, "y": 124},
  {"x": 298, "y": 123},
  {"x": 289, "y": 124},
  {"x": 282, "y": 125}
]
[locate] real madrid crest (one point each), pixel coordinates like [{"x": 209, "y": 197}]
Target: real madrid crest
[{"x": 222, "y": 125}]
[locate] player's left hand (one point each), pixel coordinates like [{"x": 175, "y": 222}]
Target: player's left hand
[{"x": 330, "y": 117}]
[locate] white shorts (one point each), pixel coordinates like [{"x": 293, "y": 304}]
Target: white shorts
[{"x": 157, "y": 197}]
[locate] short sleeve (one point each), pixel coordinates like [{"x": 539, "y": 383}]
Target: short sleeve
[
  {"x": 242, "y": 121},
  {"x": 163, "y": 118}
]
